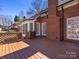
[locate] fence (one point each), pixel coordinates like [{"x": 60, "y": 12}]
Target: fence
[{"x": 5, "y": 36}]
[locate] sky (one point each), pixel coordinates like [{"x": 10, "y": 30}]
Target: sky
[{"x": 13, "y": 7}]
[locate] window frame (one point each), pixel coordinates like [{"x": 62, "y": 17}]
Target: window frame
[{"x": 74, "y": 28}]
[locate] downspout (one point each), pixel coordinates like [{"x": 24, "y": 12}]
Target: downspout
[
  {"x": 62, "y": 20},
  {"x": 62, "y": 24}
]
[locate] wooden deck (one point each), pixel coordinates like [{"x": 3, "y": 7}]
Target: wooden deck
[
  {"x": 39, "y": 48},
  {"x": 19, "y": 50}
]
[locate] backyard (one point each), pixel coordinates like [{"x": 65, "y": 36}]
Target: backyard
[
  {"x": 39, "y": 29},
  {"x": 39, "y": 48}
]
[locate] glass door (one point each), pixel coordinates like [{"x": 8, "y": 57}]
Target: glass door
[
  {"x": 44, "y": 29},
  {"x": 37, "y": 29}
]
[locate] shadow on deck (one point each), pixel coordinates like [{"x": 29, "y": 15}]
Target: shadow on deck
[{"x": 39, "y": 48}]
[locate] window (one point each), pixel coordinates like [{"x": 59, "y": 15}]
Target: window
[
  {"x": 31, "y": 26},
  {"x": 25, "y": 28},
  {"x": 73, "y": 28},
  {"x": 44, "y": 28}
]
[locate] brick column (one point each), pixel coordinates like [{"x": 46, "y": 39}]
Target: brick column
[{"x": 52, "y": 21}]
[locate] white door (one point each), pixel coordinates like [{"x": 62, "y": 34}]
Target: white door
[
  {"x": 44, "y": 29},
  {"x": 25, "y": 29},
  {"x": 37, "y": 29}
]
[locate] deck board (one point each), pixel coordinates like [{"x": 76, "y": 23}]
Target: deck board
[
  {"x": 37, "y": 49},
  {"x": 17, "y": 56},
  {"x": 19, "y": 53},
  {"x": 1, "y": 50},
  {"x": 12, "y": 55},
  {"x": 18, "y": 50},
  {"x": 7, "y": 50}
]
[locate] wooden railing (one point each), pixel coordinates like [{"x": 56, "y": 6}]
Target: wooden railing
[{"x": 9, "y": 35}]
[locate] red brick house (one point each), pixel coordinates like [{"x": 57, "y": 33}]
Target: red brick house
[
  {"x": 48, "y": 22},
  {"x": 70, "y": 15},
  {"x": 40, "y": 23},
  {"x": 27, "y": 26},
  {"x": 37, "y": 24},
  {"x": 71, "y": 19}
]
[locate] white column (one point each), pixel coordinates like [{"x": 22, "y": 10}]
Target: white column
[
  {"x": 33, "y": 26},
  {"x": 28, "y": 26}
]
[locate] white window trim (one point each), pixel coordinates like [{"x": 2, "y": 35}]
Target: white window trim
[
  {"x": 28, "y": 25},
  {"x": 39, "y": 29},
  {"x": 67, "y": 30},
  {"x": 42, "y": 28}
]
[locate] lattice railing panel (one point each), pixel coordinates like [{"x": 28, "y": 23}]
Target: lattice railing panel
[{"x": 5, "y": 36}]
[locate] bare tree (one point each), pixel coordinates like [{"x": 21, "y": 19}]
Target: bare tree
[{"x": 37, "y": 6}]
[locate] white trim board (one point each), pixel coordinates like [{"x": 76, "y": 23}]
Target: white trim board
[
  {"x": 43, "y": 29},
  {"x": 39, "y": 29}
]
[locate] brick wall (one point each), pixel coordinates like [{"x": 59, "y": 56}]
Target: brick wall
[
  {"x": 72, "y": 11},
  {"x": 53, "y": 21}
]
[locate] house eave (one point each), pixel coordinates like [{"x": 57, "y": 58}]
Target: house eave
[{"x": 65, "y": 3}]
